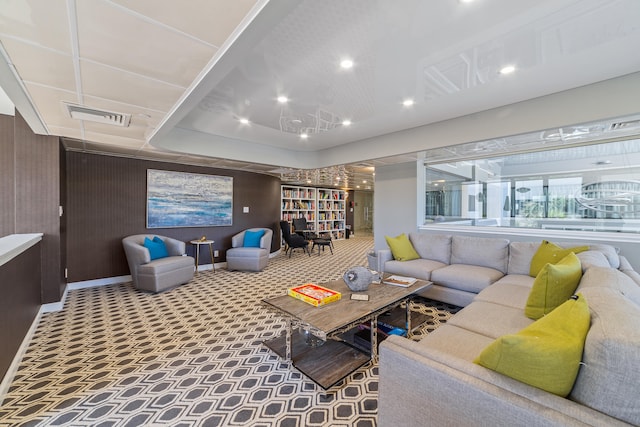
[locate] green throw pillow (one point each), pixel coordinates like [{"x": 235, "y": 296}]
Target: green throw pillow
[
  {"x": 553, "y": 285},
  {"x": 401, "y": 248},
  {"x": 545, "y": 354},
  {"x": 550, "y": 252}
]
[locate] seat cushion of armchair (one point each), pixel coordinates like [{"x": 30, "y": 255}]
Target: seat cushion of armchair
[
  {"x": 164, "y": 273},
  {"x": 246, "y": 252},
  {"x": 247, "y": 259}
]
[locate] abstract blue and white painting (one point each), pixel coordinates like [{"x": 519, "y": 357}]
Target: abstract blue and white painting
[{"x": 181, "y": 199}]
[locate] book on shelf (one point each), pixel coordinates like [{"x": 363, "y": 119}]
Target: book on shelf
[
  {"x": 400, "y": 281},
  {"x": 315, "y": 295}
]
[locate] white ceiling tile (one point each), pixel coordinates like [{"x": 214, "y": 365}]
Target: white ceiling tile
[
  {"x": 43, "y": 22},
  {"x": 208, "y": 20},
  {"x": 137, "y": 45},
  {"x": 51, "y": 108},
  {"x": 116, "y": 85},
  {"x": 43, "y": 66}
]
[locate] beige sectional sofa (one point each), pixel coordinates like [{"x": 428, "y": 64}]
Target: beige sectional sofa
[{"x": 435, "y": 382}]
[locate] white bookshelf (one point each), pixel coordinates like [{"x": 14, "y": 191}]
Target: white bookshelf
[
  {"x": 299, "y": 202},
  {"x": 323, "y": 208},
  {"x": 331, "y": 212}
]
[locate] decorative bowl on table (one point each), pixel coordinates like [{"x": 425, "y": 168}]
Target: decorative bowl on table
[{"x": 358, "y": 278}]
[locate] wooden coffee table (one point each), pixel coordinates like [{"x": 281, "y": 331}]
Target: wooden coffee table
[{"x": 336, "y": 358}]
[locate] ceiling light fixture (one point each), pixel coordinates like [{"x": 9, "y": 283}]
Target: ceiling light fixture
[
  {"x": 283, "y": 99},
  {"x": 346, "y": 123},
  {"x": 244, "y": 121},
  {"x": 408, "y": 102},
  {"x": 346, "y": 64},
  {"x": 507, "y": 69},
  {"x": 304, "y": 135}
]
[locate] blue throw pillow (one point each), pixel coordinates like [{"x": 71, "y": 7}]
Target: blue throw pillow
[
  {"x": 252, "y": 238},
  {"x": 157, "y": 248}
]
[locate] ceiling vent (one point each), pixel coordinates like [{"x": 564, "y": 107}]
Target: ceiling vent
[
  {"x": 625, "y": 125},
  {"x": 99, "y": 116}
]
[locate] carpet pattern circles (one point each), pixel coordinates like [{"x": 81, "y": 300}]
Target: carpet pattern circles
[{"x": 190, "y": 356}]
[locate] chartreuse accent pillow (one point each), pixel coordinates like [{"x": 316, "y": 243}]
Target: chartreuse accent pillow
[
  {"x": 401, "y": 248},
  {"x": 553, "y": 285},
  {"x": 550, "y": 252},
  {"x": 545, "y": 354},
  {"x": 156, "y": 247},
  {"x": 252, "y": 238}
]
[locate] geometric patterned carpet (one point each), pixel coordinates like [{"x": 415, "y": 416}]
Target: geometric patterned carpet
[{"x": 191, "y": 356}]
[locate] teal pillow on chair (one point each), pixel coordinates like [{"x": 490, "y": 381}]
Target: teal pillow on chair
[
  {"x": 252, "y": 238},
  {"x": 156, "y": 247}
]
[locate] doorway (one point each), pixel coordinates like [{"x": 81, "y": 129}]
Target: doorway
[{"x": 363, "y": 213}]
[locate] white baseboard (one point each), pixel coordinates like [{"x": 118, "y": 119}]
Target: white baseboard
[{"x": 99, "y": 282}]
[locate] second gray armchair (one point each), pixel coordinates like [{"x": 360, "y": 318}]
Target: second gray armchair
[{"x": 250, "y": 250}]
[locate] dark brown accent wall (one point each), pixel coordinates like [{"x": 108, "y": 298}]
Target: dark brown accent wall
[
  {"x": 30, "y": 180},
  {"x": 7, "y": 171},
  {"x": 106, "y": 201},
  {"x": 20, "y": 302}
]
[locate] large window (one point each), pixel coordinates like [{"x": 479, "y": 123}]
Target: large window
[{"x": 589, "y": 188}]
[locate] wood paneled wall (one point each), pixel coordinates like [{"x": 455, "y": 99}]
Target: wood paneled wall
[
  {"x": 38, "y": 200},
  {"x": 106, "y": 201},
  {"x": 30, "y": 181},
  {"x": 7, "y": 171},
  {"x": 20, "y": 302}
]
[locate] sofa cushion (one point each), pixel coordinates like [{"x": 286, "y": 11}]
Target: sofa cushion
[
  {"x": 490, "y": 319},
  {"x": 518, "y": 279},
  {"x": 470, "y": 278},
  {"x": 605, "y": 277},
  {"x": 505, "y": 293},
  {"x": 545, "y": 354},
  {"x": 156, "y": 247},
  {"x": 608, "y": 251},
  {"x": 436, "y": 247},
  {"x": 455, "y": 341},
  {"x": 591, "y": 258},
  {"x": 553, "y": 285},
  {"x": 484, "y": 252},
  {"x": 550, "y": 253},
  {"x": 418, "y": 268},
  {"x": 401, "y": 248},
  {"x": 609, "y": 377},
  {"x": 520, "y": 254}
]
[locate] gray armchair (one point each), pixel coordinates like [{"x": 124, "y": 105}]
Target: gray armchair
[
  {"x": 161, "y": 273},
  {"x": 244, "y": 258}
]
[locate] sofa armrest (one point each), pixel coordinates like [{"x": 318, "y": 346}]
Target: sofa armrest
[
  {"x": 384, "y": 255},
  {"x": 136, "y": 254},
  {"x": 419, "y": 385},
  {"x": 627, "y": 269},
  {"x": 175, "y": 247}
]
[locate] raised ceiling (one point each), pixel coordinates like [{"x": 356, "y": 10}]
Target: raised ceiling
[{"x": 184, "y": 75}]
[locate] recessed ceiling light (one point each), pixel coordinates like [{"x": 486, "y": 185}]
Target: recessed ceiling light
[
  {"x": 508, "y": 69},
  {"x": 346, "y": 123},
  {"x": 283, "y": 99},
  {"x": 346, "y": 63},
  {"x": 408, "y": 102},
  {"x": 364, "y": 181},
  {"x": 244, "y": 121},
  {"x": 304, "y": 135}
]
